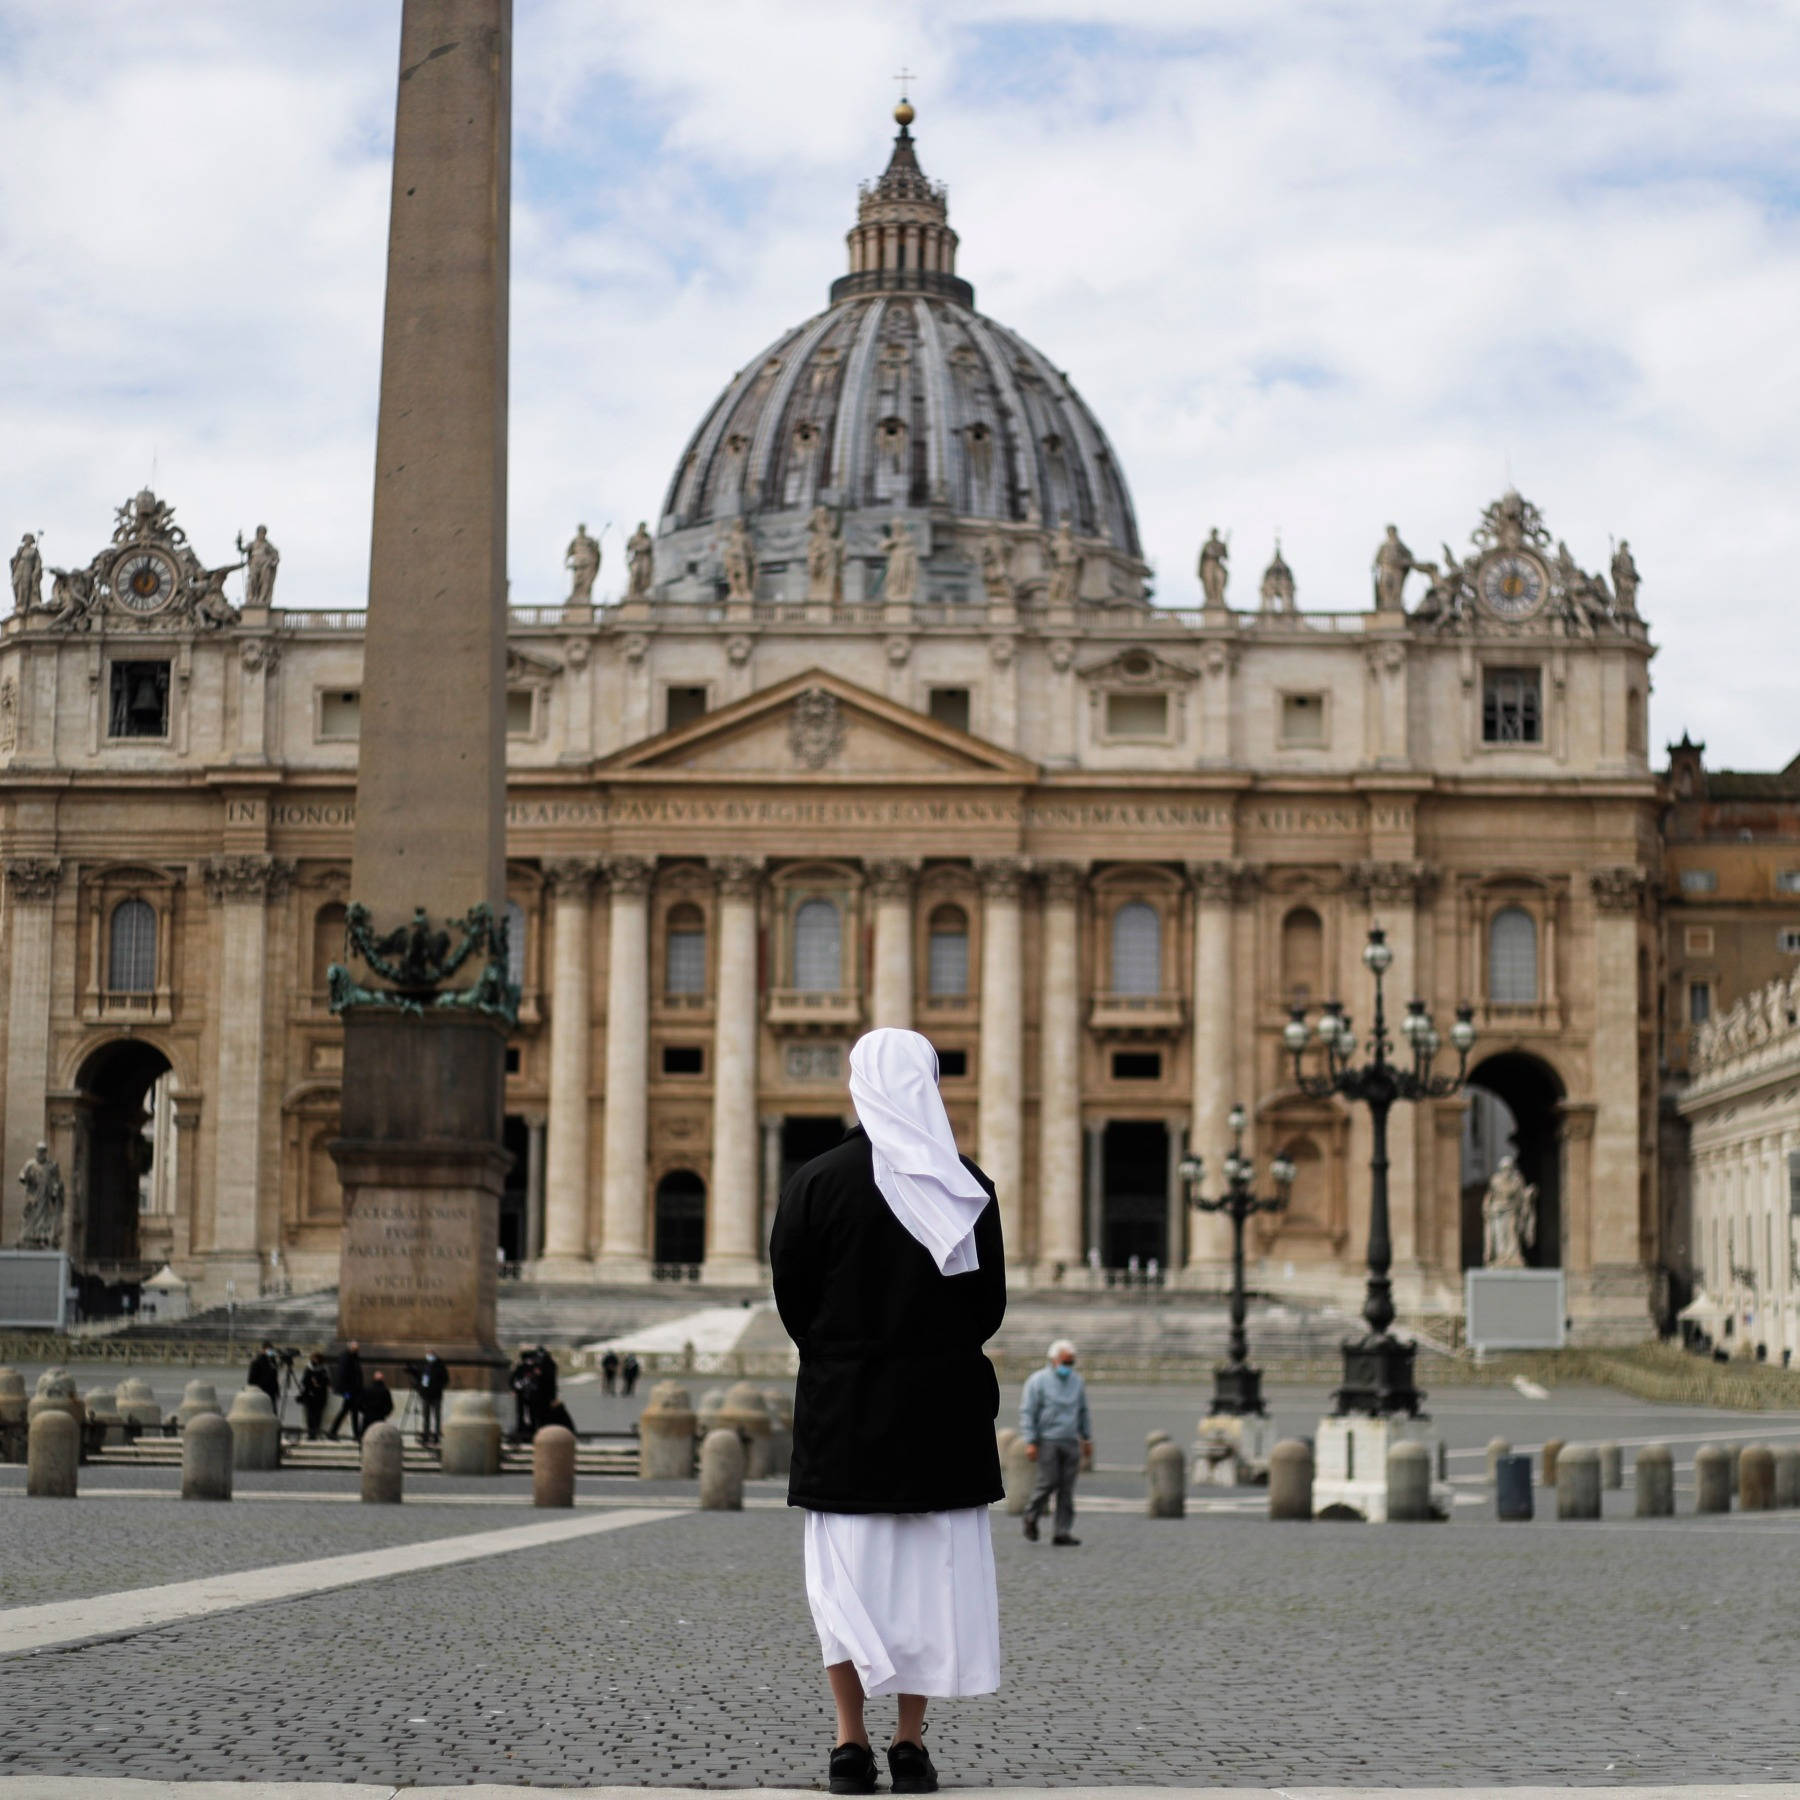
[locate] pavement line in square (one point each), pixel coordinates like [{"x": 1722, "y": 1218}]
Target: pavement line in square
[
  {"x": 24, "y": 1629},
  {"x": 84, "y": 1787}
]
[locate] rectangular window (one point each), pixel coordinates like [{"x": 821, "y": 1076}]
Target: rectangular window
[
  {"x": 1303, "y": 719},
  {"x": 1512, "y": 707},
  {"x": 521, "y": 712},
  {"x": 139, "y": 700},
  {"x": 1699, "y": 1002},
  {"x": 1137, "y": 1065},
  {"x": 1698, "y": 940},
  {"x": 682, "y": 706},
  {"x": 513, "y": 1060},
  {"x": 683, "y": 1059},
  {"x": 952, "y": 1063},
  {"x": 340, "y": 713},
  {"x": 950, "y": 706},
  {"x": 1787, "y": 881},
  {"x": 1787, "y": 940},
  {"x": 1699, "y": 881},
  {"x": 1137, "y": 715}
]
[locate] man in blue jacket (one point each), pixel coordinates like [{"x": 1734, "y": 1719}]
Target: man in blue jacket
[{"x": 1054, "y": 1422}]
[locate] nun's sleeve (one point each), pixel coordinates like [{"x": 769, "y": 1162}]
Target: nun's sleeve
[
  {"x": 989, "y": 1278},
  {"x": 793, "y": 1261}
]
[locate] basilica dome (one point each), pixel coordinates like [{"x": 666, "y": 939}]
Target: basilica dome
[{"x": 899, "y": 401}]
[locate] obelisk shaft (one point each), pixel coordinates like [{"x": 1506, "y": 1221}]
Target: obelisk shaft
[{"x": 419, "y": 1156}]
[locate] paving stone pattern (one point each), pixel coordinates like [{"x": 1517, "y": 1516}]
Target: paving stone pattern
[{"x": 1205, "y": 1651}]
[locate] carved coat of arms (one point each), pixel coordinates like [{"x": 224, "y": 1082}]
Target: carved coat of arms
[{"x": 815, "y": 729}]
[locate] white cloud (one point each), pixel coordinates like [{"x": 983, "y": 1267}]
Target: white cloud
[{"x": 1315, "y": 267}]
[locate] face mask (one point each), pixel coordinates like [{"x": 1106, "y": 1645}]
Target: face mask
[{"x": 1064, "y": 1371}]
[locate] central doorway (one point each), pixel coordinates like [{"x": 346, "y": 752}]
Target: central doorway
[
  {"x": 680, "y": 1245},
  {"x": 515, "y": 1198},
  {"x": 1134, "y": 1193}
]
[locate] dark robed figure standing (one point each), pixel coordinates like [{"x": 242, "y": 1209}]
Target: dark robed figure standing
[{"x": 890, "y": 1276}]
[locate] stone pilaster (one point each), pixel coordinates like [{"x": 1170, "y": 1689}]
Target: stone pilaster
[
  {"x": 733, "y": 1250},
  {"x": 890, "y": 886},
  {"x": 999, "y": 1087},
  {"x": 31, "y": 884},
  {"x": 1059, "y": 1074},
  {"x": 564, "y": 1256},
  {"x": 1216, "y": 887},
  {"x": 623, "y": 1248}
]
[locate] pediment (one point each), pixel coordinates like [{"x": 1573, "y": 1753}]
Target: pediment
[
  {"x": 818, "y": 724},
  {"x": 1138, "y": 667}
]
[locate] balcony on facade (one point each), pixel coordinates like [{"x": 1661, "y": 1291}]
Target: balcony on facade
[
  {"x": 1137, "y": 1016},
  {"x": 805, "y": 1011}
]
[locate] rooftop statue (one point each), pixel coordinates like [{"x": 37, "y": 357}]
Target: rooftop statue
[
  {"x": 738, "y": 555},
  {"x": 582, "y": 560},
  {"x": 261, "y": 560},
  {"x": 27, "y": 574},
  {"x": 640, "y": 563},
  {"x": 1213, "y": 573},
  {"x": 996, "y": 568},
  {"x": 1393, "y": 563},
  {"x": 824, "y": 555},
  {"x": 1065, "y": 566},
  {"x": 902, "y": 583},
  {"x": 1625, "y": 579}
]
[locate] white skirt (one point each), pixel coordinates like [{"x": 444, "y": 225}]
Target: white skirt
[{"x": 908, "y": 1598}]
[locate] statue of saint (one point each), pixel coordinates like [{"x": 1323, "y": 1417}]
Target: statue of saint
[
  {"x": 640, "y": 562},
  {"x": 1213, "y": 573},
  {"x": 27, "y": 575},
  {"x": 902, "y": 583},
  {"x": 261, "y": 560},
  {"x": 582, "y": 560},
  {"x": 1393, "y": 563},
  {"x": 1508, "y": 1217},
  {"x": 1065, "y": 566},
  {"x": 996, "y": 568},
  {"x": 1278, "y": 584},
  {"x": 739, "y": 557},
  {"x": 211, "y": 608},
  {"x": 42, "y": 1180},
  {"x": 823, "y": 553},
  {"x": 72, "y": 598},
  {"x": 1625, "y": 579}
]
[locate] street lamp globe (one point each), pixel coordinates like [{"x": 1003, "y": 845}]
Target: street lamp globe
[
  {"x": 1237, "y": 1119},
  {"x": 1462, "y": 1033},
  {"x": 1296, "y": 1031},
  {"x": 1283, "y": 1171},
  {"x": 1192, "y": 1170},
  {"x": 1377, "y": 953}
]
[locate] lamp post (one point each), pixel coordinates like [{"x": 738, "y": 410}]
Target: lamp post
[
  {"x": 1237, "y": 1387},
  {"x": 1378, "y": 1368}
]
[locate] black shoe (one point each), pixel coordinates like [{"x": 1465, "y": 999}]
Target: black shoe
[
  {"x": 1070, "y": 1543},
  {"x": 1031, "y": 1531},
  {"x": 910, "y": 1769},
  {"x": 853, "y": 1769}
]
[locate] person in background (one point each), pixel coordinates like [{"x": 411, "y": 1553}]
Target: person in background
[
  {"x": 315, "y": 1393},
  {"x": 523, "y": 1375},
  {"x": 432, "y": 1380},
  {"x": 265, "y": 1373},
  {"x": 347, "y": 1384},
  {"x": 629, "y": 1371},
  {"x": 609, "y": 1372},
  {"x": 1056, "y": 1427},
  {"x": 377, "y": 1403}
]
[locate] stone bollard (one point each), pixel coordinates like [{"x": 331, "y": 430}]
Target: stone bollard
[
  {"x": 1712, "y": 1479},
  {"x": 137, "y": 1404},
  {"x": 1787, "y": 1476},
  {"x": 56, "y": 1393},
  {"x": 1497, "y": 1448},
  {"x": 206, "y": 1457},
  {"x": 1551, "y": 1451},
  {"x": 747, "y": 1413},
  {"x": 1018, "y": 1472},
  {"x": 52, "y": 1455},
  {"x": 1512, "y": 1488},
  {"x": 1408, "y": 1482},
  {"x": 1291, "y": 1480},
  {"x": 1578, "y": 1482},
  {"x": 196, "y": 1398},
  {"x": 255, "y": 1436},
  {"x": 553, "y": 1466},
  {"x": 1655, "y": 1482},
  {"x": 1756, "y": 1478},
  {"x": 1151, "y": 1440},
  {"x": 781, "y": 1429},
  {"x": 722, "y": 1471},
  {"x": 383, "y": 1464},
  {"x": 12, "y": 1397},
  {"x": 1167, "y": 1469},
  {"x": 712, "y": 1403},
  {"x": 471, "y": 1440},
  {"x": 666, "y": 1434},
  {"x": 103, "y": 1412},
  {"x": 1612, "y": 1466}
]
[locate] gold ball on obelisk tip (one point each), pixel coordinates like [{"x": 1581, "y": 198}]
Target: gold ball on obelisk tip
[{"x": 904, "y": 114}]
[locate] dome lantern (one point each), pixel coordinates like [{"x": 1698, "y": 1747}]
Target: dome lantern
[{"x": 901, "y": 242}]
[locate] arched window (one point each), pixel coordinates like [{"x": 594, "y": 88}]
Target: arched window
[
  {"x": 328, "y": 944},
  {"x": 515, "y": 943},
  {"x": 818, "y": 948},
  {"x": 131, "y": 955},
  {"x": 1137, "y": 949},
  {"x": 684, "y": 950},
  {"x": 1512, "y": 958},
  {"x": 1302, "y": 956},
  {"x": 947, "y": 952}
]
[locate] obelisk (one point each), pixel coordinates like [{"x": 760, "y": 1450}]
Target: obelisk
[{"x": 423, "y": 992}]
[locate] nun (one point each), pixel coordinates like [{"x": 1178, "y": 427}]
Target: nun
[{"x": 890, "y": 1276}]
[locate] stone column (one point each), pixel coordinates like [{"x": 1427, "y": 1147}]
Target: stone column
[
  {"x": 1059, "y": 1075},
  {"x": 1215, "y": 1091},
  {"x": 241, "y": 886},
  {"x": 623, "y": 1249},
  {"x": 890, "y": 889},
  {"x": 1612, "y": 1258},
  {"x": 1094, "y": 1148},
  {"x": 565, "y": 1252},
  {"x": 734, "y": 1207},
  {"x": 999, "y": 1089},
  {"x": 771, "y": 1177},
  {"x": 31, "y": 883}
]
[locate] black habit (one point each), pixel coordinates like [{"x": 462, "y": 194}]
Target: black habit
[{"x": 896, "y": 1402}]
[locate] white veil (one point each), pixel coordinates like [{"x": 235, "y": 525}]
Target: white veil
[{"x": 893, "y": 1084}]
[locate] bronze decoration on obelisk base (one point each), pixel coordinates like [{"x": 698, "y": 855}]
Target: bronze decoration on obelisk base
[{"x": 423, "y": 991}]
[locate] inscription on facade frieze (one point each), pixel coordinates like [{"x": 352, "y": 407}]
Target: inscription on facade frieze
[
  {"x": 778, "y": 811},
  {"x": 1304, "y": 819},
  {"x": 244, "y": 812},
  {"x": 1087, "y": 815},
  {"x": 313, "y": 812}
]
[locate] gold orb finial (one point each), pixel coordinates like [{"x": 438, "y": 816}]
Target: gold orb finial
[{"x": 903, "y": 113}]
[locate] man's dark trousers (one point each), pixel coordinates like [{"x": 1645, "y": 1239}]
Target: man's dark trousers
[{"x": 1058, "y": 1463}]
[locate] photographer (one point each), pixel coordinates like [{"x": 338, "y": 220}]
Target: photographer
[
  {"x": 377, "y": 1402},
  {"x": 315, "y": 1393},
  {"x": 430, "y": 1379},
  {"x": 347, "y": 1384},
  {"x": 265, "y": 1373}
]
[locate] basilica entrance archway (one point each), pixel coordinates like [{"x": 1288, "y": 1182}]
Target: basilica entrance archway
[
  {"x": 113, "y": 1154},
  {"x": 680, "y": 1221},
  {"x": 1134, "y": 1193},
  {"x": 1514, "y": 1101}
]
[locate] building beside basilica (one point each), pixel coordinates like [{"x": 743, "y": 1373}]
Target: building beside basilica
[{"x": 885, "y": 731}]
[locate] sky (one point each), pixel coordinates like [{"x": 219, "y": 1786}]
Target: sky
[{"x": 1317, "y": 265}]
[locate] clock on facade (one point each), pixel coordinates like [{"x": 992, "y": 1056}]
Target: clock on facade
[
  {"x": 1512, "y": 584},
  {"x": 144, "y": 580}
]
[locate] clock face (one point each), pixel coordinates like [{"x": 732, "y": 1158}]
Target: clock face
[
  {"x": 1512, "y": 585},
  {"x": 144, "y": 580}
]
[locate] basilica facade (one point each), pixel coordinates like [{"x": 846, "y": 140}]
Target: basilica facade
[{"x": 885, "y": 729}]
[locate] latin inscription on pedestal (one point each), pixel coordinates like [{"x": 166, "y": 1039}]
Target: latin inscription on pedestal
[{"x": 418, "y": 1267}]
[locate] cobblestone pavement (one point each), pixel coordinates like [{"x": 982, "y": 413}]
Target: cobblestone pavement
[{"x": 1214, "y": 1650}]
